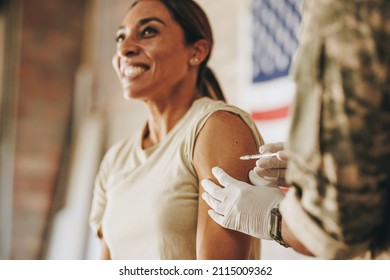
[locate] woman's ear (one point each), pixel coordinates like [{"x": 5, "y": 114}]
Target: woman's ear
[{"x": 200, "y": 50}]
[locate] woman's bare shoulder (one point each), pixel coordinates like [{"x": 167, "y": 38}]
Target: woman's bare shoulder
[{"x": 223, "y": 139}]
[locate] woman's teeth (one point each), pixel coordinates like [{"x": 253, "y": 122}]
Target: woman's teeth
[{"x": 132, "y": 71}]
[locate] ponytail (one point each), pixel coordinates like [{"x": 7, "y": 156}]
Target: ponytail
[{"x": 209, "y": 86}]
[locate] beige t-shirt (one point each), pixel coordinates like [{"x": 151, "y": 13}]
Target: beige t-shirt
[{"x": 146, "y": 201}]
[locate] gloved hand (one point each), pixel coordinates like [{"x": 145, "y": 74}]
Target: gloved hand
[
  {"x": 241, "y": 206},
  {"x": 273, "y": 168}
]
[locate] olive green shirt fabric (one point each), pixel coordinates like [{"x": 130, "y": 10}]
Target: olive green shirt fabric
[{"x": 340, "y": 132}]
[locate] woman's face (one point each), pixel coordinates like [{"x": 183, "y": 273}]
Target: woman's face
[{"x": 152, "y": 59}]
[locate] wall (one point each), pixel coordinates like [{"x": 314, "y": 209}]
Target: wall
[
  {"x": 50, "y": 53},
  {"x": 5, "y": 188}
]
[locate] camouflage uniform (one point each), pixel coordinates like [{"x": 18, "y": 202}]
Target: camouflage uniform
[{"x": 340, "y": 132}]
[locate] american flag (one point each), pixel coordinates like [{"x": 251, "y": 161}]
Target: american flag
[{"x": 274, "y": 33}]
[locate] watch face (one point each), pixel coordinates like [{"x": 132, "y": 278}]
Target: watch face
[{"x": 274, "y": 229}]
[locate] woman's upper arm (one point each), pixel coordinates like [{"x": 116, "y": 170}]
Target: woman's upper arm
[{"x": 223, "y": 139}]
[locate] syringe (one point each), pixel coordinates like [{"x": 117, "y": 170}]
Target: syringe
[{"x": 257, "y": 156}]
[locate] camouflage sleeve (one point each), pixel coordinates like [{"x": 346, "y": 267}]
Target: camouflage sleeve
[{"x": 340, "y": 136}]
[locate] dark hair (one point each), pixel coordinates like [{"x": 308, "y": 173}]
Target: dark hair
[{"x": 191, "y": 17}]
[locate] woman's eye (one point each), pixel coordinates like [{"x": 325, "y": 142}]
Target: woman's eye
[
  {"x": 148, "y": 31},
  {"x": 119, "y": 38}
]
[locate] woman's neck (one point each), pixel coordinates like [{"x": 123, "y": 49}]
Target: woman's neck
[{"x": 163, "y": 115}]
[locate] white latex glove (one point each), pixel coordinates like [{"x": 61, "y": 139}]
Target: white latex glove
[
  {"x": 273, "y": 168},
  {"x": 241, "y": 206}
]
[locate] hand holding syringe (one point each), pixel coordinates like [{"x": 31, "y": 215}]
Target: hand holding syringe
[{"x": 271, "y": 162}]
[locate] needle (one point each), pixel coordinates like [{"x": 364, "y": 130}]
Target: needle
[{"x": 257, "y": 156}]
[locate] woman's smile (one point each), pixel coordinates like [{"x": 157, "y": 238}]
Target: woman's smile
[{"x": 133, "y": 71}]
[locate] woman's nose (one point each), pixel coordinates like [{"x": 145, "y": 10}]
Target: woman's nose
[{"x": 128, "y": 47}]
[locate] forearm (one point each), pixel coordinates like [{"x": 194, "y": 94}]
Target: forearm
[
  {"x": 290, "y": 239},
  {"x": 304, "y": 227}
]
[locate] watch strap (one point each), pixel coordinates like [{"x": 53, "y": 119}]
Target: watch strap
[{"x": 276, "y": 227}]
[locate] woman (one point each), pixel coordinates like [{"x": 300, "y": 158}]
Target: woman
[{"x": 146, "y": 201}]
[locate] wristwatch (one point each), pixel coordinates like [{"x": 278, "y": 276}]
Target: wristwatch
[{"x": 276, "y": 226}]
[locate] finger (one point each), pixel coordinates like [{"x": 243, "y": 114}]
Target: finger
[
  {"x": 271, "y": 162},
  {"x": 223, "y": 178},
  {"x": 213, "y": 189},
  {"x": 274, "y": 175},
  {"x": 219, "y": 219},
  {"x": 258, "y": 181},
  {"x": 283, "y": 155},
  {"x": 271, "y": 148},
  {"x": 211, "y": 201}
]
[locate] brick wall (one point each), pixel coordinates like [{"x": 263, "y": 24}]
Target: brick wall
[{"x": 52, "y": 33}]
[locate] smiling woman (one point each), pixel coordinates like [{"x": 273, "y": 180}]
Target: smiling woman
[{"x": 146, "y": 201}]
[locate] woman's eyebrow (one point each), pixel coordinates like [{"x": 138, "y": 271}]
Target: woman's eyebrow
[
  {"x": 143, "y": 21},
  {"x": 149, "y": 19}
]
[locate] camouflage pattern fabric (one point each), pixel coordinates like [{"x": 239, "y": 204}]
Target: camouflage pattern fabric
[{"x": 340, "y": 132}]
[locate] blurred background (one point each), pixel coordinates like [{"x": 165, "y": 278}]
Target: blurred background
[{"x": 61, "y": 107}]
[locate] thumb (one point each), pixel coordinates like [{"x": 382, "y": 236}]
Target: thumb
[
  {"x": 271, "y": 147},
  {"x": 223, "y": 178},
  {"x": 259, "y": 181}
]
